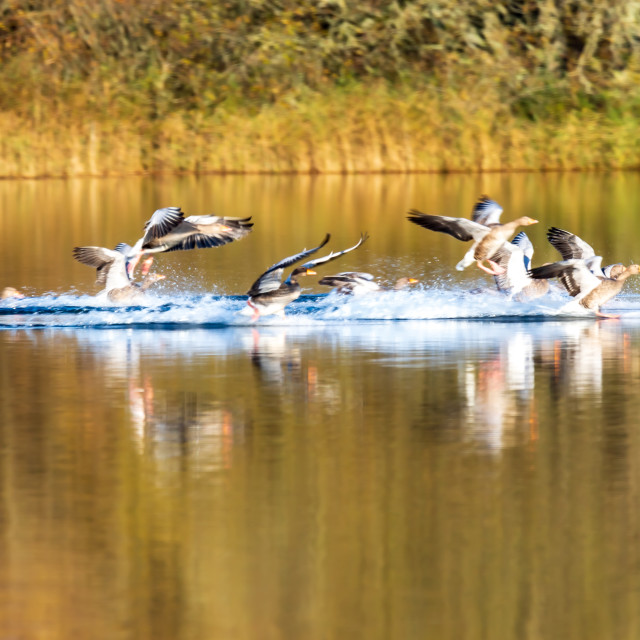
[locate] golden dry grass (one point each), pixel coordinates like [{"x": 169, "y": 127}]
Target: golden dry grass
[
  {"x": 366, "y": 129},
  {"x": 101, "y": 87}
]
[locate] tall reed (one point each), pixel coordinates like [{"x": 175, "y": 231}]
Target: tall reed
[{"x": 115, "y": 86}]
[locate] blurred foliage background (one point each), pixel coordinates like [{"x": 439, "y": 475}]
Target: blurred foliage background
[{"x": 280, "y": 85}]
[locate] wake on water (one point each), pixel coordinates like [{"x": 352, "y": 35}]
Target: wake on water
[{"x": 211, "y": 311}]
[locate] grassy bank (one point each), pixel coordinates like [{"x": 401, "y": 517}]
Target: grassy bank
[
  {"x": 117, "y": 87},
  {"x": 364, "y": 129}
]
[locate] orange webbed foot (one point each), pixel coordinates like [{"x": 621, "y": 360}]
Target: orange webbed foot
[{"x": 496, "y": 269}]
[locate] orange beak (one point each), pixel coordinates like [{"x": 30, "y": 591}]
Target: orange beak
[
  {"x": 413, "y": 280},
  {"x": 310, "y": 272}
]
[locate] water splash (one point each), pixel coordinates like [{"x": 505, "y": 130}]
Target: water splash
[{"x": 210, "y": 310}]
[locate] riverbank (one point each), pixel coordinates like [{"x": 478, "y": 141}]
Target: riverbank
[{"x": 364, "y": 129}]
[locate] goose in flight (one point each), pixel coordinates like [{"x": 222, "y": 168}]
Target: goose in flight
[
  {"x": 487, "y": 212},
  {"x": 269, "y": 295},
  {"x": 357, "y": 283},
  {"x": 169, "y": 230},
  {"x": 487, "y": 237},
  {"x": 589, "y": 290},
  {"x": 112, "y": 272}
]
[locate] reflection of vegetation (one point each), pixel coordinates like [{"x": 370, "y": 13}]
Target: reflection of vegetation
[
  {"x": 405, "y": 85},
  {"x": 148, "y": 493}
]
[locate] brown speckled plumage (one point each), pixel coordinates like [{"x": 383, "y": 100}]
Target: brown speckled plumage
[{"x": 609, "y": 288}]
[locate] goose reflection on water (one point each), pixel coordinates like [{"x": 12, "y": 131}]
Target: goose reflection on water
[
  {"x": 165, "y": 421},
  {"x": 577, "y": 358},
  {"x": 281, "y": 367},
  {"x": 168, "y": 426},
  {"x": 578, "y": 362},
  {"x": 177, "y": 402},
  {"x": 273, "y": 357},
  {"x": 499, "y": 391},
  {"x": 499, "y": 398}
]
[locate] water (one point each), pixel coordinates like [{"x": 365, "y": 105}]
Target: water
[{"x": 431, "y": 463}]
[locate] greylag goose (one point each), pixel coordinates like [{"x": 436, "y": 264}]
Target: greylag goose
[
  {"x": 10, "y": 292},
  {"x": 357, "y": 283},
  {"x": 515, "y": 258},
  {"x": 111, "y": 268},
  {"x": 169, "y": 230},
  {"x": 488, "y": 238},
  {"x": 572, "y": 247},
  {"x": 110, "y": 265},
  {"x": 268, "y": 295},
  {"x": 589, "y": 290}
]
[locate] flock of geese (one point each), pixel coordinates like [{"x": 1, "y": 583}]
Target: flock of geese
[
  {"x": 580, "y": 272},
  {"x": 169, "y": 230}
]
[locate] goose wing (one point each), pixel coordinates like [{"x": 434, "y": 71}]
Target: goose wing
[
  {"x": 522, "y": 240},
  {"x": 110, "y": 265},
  {"x": 201, "y": 232},
  {"x": 124, "y": 248},
  {"x": 348, "y": 276},
  {"x": 335, "y": 255},
  {"x": 459, "y": 228},
  {"x": 161, "y": 223},
  {"x": 569, "y": 245},
  {"x": 350, "y": 280},
  {"x": 271, "y": 279},
  {"x": 515, "y": 277},
  {"x": 486, "y": 212},
  {"x": 574, "y": 275}
]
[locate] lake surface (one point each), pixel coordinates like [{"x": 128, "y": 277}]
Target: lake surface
[{"x": 426, "y": 464}]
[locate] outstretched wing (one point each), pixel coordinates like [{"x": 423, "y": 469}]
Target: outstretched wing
[
  {"x": 334, "y": 256},
  {"x": 512, "y": 259},
  {"x": 270, "y": 280},
  {"x": 459, "y": 228},
  {"x": 522, "y": 240},
  {"x": 574, "y": 275},
  {"x": 569, "y": 245},
  {"x": 123, "y": 248},
  {"x": 349, "y": 276},
  {"x": 103, "y": 260},
  {"x": 161, "y": 223},
  {"x": 350, "y": 282},
  {"x": 486, "y": 211},
  {"x": 201, "y": 232}
]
